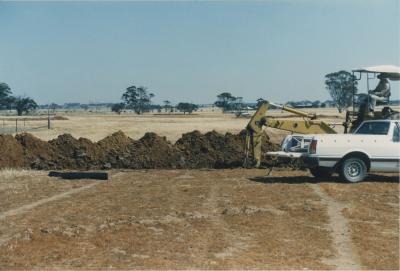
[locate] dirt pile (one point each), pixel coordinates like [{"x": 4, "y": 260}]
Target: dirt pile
[
  {"x": 60, "y": 118},
  {"x": 211, "y": 150},
  {"x": 11, "y": 152},
  {"x": 153, "y": 151},
  {"x": 193, "y": 150},
  {"x": 215, "y": 150},
  {"x": 37, "y": 153},
  {"x": 76, "y": 153},
  {"x": 115, "y": 150}
]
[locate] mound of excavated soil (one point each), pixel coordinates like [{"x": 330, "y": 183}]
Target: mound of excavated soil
[
  {"x": 193, "y": 150},
  {"x": 115, "y": 150},
  {"x": 60, "y": 118},
  {"x": 37, "y": 153},
  {"x": 76, "y": 153},
  {"x": 11, "y": 152},
  {"x": 211, "y": 150},
  {"x": 214, "y": 150},
  {"x": 153, "y": 151}
]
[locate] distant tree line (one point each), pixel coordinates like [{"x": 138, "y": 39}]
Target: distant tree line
[
  {"x": 23, "y": 105},
  {"x": 139, "y": 99},
  {"x": 340, "y": 86},
  {"x": 311, "y": 104},
  {"x": 186, "y": 107},
  {"x": 227, "y": 102}
]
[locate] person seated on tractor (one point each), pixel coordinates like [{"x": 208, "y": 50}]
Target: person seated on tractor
[
  {"x": 382, "y": 90},
  {"x": 380, "y": 94}
]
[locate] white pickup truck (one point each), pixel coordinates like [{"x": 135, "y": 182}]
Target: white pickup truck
[{"x": 374, "y": 146}]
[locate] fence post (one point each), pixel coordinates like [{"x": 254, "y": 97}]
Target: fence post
[
  {"x": 48, "y": 119},
  {"x": 16, "y": 125}
]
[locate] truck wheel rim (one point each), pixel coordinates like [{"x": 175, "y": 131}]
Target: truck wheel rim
[{"x": 354, "y": 169}]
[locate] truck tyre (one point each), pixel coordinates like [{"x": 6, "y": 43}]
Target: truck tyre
[
  {"x": 321, "y": 172},
  {"x": 353, "y": 170}
]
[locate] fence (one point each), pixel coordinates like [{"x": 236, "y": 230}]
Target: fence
[{"x": 18, "y": 125}]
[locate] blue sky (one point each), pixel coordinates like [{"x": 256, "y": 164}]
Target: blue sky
[{"x": 191, "y": 51}]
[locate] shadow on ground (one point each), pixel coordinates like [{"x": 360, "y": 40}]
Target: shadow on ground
[{"x": 308, "y": 179}]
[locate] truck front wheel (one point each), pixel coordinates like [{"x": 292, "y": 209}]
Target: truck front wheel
[
  {"x": 321, "y": 172},
  {"x": 353, "y": 169}
]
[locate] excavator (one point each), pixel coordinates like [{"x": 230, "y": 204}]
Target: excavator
[
  {"x": 310, "y": 124},
  {"x": 254, "y": 129}
]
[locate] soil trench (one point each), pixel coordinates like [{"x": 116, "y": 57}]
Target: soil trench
[{"x": 345, "y": 259}]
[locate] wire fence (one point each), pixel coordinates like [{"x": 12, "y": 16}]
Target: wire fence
[{"x": 19, "y": 125}]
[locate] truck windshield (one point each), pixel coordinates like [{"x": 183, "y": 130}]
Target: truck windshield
[{"x": 373, "y": 128}]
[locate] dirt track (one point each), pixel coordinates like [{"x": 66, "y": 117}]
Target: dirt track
[{"x": 195, "y": 219}]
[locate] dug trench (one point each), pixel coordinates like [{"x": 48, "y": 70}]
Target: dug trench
[{"x": 193, "y": 150}]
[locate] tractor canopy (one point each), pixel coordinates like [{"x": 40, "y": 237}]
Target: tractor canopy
[{"x": 389, "y": 71}]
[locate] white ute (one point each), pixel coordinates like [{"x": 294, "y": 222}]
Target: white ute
[{"x": 374, "y": 146}]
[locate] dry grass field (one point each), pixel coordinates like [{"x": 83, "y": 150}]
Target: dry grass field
[
  {"x": 198, "y": 219},
  {"x": 194, "y": 219},
  {"x": 96, "y": 126}
]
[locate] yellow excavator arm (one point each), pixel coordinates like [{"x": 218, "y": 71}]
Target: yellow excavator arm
[{"x": 308, "y": 125}]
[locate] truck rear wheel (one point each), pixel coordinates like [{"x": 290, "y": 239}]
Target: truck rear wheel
[
  {"x": 353, "y": 170},
  {"x": 321, "y": 172}
]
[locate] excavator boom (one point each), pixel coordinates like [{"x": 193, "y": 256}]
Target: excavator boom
[{"x": 308, "y": 125}]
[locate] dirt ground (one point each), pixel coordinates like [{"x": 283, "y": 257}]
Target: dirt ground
[{"x": 198, "y": 219}]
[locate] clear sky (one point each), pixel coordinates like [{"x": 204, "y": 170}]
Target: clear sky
[{"x": 191, "y": 51}]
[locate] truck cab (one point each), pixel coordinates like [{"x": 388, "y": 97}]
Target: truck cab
[{"x": 373, "y": 146}]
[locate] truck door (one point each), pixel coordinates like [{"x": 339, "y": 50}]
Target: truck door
[
  {"x": 385, "y": 149},
  {"x": 390, "y": 151}
]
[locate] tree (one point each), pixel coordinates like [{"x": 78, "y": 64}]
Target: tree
[
  {"x": 6, "y": 99},
  {"x": 53, "y": 107},
  {"x": 24, "y": 105},
  {"x": 340, "y": 87},
  {"x": 85, "y": 107},
  {"x": 316, "y": 104},
  {"x": 225, "y": 101},
  {"x": 237, "y": 105},
  {"x": 137, "y": 98},
  {"x": 117, "y": 108},
  {"x": 187, "y": 107},
  {"x": 167, "y": 106},
  {"x": 260, "y": 101}
]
